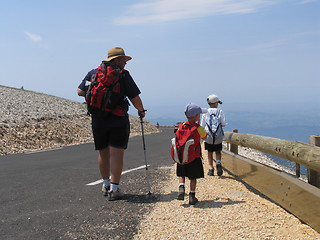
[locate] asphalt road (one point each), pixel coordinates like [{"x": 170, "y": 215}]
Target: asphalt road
[{"x": 45, "y": 195}]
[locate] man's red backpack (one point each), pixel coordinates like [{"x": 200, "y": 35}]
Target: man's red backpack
[
  {"x": 185, "y": 144},
  {"x": 104, "y": 94}
]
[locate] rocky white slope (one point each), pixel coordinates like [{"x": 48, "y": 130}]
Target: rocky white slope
[{"x": 34, "y": 121}]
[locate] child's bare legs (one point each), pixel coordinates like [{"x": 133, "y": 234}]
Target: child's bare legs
[
  {"x": 218, "y": 163},
  {"x": 182, "y": 181},
  {"x": 192, "y": 195},
  {"x": 210, "y": 158},
  {"x": 193, "y": 184},
  {"x": 210, "y": 161},
  {"x": 218, "y": 156}
]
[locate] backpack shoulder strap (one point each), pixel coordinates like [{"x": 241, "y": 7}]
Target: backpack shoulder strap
[
  {"x": 218, "y": 113},
  {"x": 210, "y": 129},
  {"x": 208, "y": 124},
  {"x": 181, "y": 125}
]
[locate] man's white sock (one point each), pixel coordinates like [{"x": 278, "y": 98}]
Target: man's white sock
[
  {"x": 114, "y": 187},
  {"x": 106, "y": 182}
]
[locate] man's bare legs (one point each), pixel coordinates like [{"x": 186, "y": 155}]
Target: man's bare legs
[
  {"x": 116, "y": 164},
  {"x": 110, "y": 162},
  {"x": 104, "y": 163}
]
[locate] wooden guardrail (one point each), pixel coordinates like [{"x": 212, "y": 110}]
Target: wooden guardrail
[
  {"x": 299, "y": 152},
  {"x": 296, "y": 196}
]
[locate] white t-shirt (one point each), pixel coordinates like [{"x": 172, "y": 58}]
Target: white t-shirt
[
  {"x": 222, "y": 118},
  {"x": 204, "y": 120}
]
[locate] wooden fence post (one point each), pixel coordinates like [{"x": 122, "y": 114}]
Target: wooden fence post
[
  {"x": 297, "y": 170},
  {"x": 233, "y": 147},
  {"x": 314, "y": 176}
]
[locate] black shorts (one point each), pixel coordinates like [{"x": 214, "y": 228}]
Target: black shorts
[
  {"x": 212, "y": 147},
  {"x": 191, "y": 170},
  {"x": 114, "y": 137}
]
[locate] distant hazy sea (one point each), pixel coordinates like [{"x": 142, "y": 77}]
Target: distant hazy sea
[{"x": 292, "y": 127}]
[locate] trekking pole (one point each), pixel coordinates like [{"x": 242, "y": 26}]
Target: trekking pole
[{"x": 144, "y": 151}]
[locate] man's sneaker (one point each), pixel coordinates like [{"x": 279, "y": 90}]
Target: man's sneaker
[
  {"x": 219, "y": 169},
  {"x": 192, "y": 199},
  {"x": 115, "y": 195},
  {"x": 105, "y": 190},
  {"x": 211, "y": 171},
  {"x": 181, "y": 192}
]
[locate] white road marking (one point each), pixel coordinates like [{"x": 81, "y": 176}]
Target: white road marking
[
  {"x": 45, "y": 150},
  {"x": 165, "y": 167},
  {"x": 124, "y": 172}
]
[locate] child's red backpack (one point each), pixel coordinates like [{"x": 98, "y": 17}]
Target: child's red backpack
[
  {"x": 104, "y": 93},
  {"x": 185, "y": 144}
]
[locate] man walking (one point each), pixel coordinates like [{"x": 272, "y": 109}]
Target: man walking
[{"x": 111, "y": 134}]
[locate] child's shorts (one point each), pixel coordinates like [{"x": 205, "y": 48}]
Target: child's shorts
[
  {"x": 191, "y": 170},
  {"x": 212, "y": 147}
]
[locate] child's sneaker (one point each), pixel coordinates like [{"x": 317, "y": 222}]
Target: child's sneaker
[
  {"x": 115, "y": 195},
  {"x": 192, "y": 199},
  {"x": 105, "y": 190},
  {"x": 211, "y": 171},
  {"x": 181, "y": 192},
  {"x": 219, "y": 169}
]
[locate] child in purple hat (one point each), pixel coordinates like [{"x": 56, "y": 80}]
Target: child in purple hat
[{"x": 194, "y": 168}]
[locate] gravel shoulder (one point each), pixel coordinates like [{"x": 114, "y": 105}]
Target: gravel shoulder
[{"x": 227, "y": 209}]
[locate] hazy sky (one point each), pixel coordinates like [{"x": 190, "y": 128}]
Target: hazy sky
[{"x": 254, "y": 54}]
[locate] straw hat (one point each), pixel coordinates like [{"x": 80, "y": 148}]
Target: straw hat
[{"x": 116, "y": 52}]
